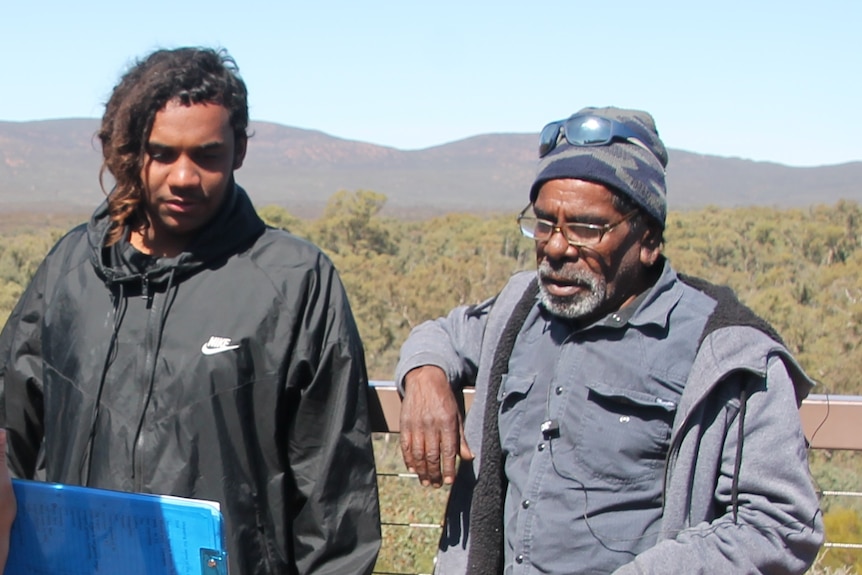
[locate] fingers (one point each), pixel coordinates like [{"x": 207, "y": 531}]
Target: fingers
[
  {"x": 431, "y": 475},
  {"x": 406, "y": 451},
  {"x": 8, "y": 507},
  {"x": 4, "y": 470},
  {"x": 435, "y": 447},
  {"x": 412, "y": 442},
  {"x": 431, "y": 427},
  {"x": 420, "y": 448},
  {"x": 7, "y": 496},
  {"x": 449, "y": 445},
  {"x": 420, "y": 457}
]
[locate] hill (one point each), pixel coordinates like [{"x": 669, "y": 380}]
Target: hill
[{"x": 53, "y": 165}]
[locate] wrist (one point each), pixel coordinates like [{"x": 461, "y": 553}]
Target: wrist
[{"x": 425, "y": 376}]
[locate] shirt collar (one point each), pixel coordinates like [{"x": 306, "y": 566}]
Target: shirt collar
[
  {"x": 653, "y": 306},
  {"x": 659, "y": 301}
]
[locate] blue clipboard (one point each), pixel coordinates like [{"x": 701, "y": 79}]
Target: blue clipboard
[{"x": 65, "y": 530}]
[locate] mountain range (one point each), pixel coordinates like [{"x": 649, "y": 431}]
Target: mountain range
[{"x": 53, "y": 165}]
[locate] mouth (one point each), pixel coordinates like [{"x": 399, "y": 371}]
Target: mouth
[
  {"x": 181, "y": 206},
  {"x": 563, "y": 287},
  {"x": 564, "y": 282}
]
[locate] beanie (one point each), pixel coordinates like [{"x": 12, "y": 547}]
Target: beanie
[{"x": 634, "y": 169}]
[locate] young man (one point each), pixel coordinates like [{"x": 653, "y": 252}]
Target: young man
[
  {"x": 627, "y": 419},
  {"x": 176, "y": 345}
]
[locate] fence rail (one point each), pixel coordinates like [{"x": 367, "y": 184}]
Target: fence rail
[{"x": 829, "y": 421}]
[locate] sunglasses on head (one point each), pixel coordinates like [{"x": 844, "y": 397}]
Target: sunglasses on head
[{"x": 586, "y": 130}]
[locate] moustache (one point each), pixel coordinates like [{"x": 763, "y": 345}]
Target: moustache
[{"x": 566, "y": 274}]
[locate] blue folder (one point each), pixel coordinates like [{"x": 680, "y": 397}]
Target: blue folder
[{"x": 65, "y": 530}]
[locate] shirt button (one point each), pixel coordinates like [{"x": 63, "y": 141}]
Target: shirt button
[
  {"x": 541, "y": 447},
  {"x": 519, "y": 559},
  {"x": 559, "y": 390},
  {"x": 525, "y": 503}
]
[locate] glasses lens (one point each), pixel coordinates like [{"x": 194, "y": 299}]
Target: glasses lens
[
  {"x": 535, "y": 229},
  {"x": 583, "y": 234},
  {"x": 588, "y": 130},
  {"x": 548, "y": 139},
  {"x": 528, "y": 226}
]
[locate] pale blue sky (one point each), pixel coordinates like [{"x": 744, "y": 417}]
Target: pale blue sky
[{"x": 773, "y": 80}]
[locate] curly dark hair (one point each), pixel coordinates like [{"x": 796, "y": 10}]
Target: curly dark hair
[{"x": 189, "y": 75}]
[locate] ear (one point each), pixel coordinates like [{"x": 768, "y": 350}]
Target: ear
[
  {"x": 239, "y": 149},
  {"x": 651, "y": 246}
]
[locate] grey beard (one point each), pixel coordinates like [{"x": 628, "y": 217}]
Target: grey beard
[{"x": 576, "y": 306}]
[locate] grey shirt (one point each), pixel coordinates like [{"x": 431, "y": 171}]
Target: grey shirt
[{"x": 584, "y": 495}]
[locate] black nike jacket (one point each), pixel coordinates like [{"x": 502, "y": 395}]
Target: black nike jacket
[{"x": 233, "y": 372}]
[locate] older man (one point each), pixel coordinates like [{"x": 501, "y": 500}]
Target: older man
[{"x": 627, "y": 419}]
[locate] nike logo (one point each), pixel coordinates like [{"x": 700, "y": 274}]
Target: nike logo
[{"x": 217, "y": 345}]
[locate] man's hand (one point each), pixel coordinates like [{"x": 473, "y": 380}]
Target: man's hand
[
  {"x": 432, "y": 429},
  {"x": 8, "y": 506}
]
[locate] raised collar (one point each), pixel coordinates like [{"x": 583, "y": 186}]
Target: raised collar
[{"x": 653, "y": 306}]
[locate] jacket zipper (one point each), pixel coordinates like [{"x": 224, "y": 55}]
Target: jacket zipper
[{"x": 147, "y": 381}]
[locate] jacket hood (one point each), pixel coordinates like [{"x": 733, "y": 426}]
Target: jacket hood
[{"x": 235, "y": 226}]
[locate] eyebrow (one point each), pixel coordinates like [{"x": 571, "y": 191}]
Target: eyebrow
[
  {"x": 578, "y": 219},
  {"x": 154, "y": 145}
]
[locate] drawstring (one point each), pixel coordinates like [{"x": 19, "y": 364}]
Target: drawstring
[
  {"x": 734, "y": 489},
  {"x": 169, "y": 300},
  {"x": 119, "y": 311}
]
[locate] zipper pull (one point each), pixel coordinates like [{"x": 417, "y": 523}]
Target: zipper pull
[{"x": 145, "y": 287}]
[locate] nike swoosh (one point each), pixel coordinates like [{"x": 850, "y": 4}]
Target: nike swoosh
[{"x": 206, "y": 349}]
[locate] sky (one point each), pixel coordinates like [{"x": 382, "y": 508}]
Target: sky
[{"x": 777, "y": 81}]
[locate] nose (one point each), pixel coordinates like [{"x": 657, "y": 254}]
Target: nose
[
  {"x": 557, "y": 247},
  {"x": 184, "y": 173}
]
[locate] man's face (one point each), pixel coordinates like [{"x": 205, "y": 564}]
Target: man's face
[
  {"x": 585, "y": 283},
  {"x": 190, "y": 157}
]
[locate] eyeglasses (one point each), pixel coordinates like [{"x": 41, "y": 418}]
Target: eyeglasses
[
  {"x": 577, "y": 234},
  {"x": 587, "y": 130}
]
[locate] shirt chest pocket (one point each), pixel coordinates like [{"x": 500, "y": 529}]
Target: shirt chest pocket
[
  {"x": 621, "y": 436},
  {"x": 512, "y": 396}
]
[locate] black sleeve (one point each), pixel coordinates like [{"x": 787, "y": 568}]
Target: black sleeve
[
  {"x": 21, "y": 393},
  {"x": 331, "y": 489}
]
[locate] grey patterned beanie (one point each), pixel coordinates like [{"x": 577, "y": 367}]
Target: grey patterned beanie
[{"x": 624, "y": 165}]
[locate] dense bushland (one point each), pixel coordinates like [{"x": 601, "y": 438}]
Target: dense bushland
[{"x": 801, "y": 269}]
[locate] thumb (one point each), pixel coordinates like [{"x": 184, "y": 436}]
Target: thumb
[
  {"x": 465, "y": 452},
  {"x": 3, "y": 446}
]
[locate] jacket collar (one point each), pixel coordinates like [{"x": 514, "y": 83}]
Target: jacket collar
[{"x": 235, "y": 226}]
